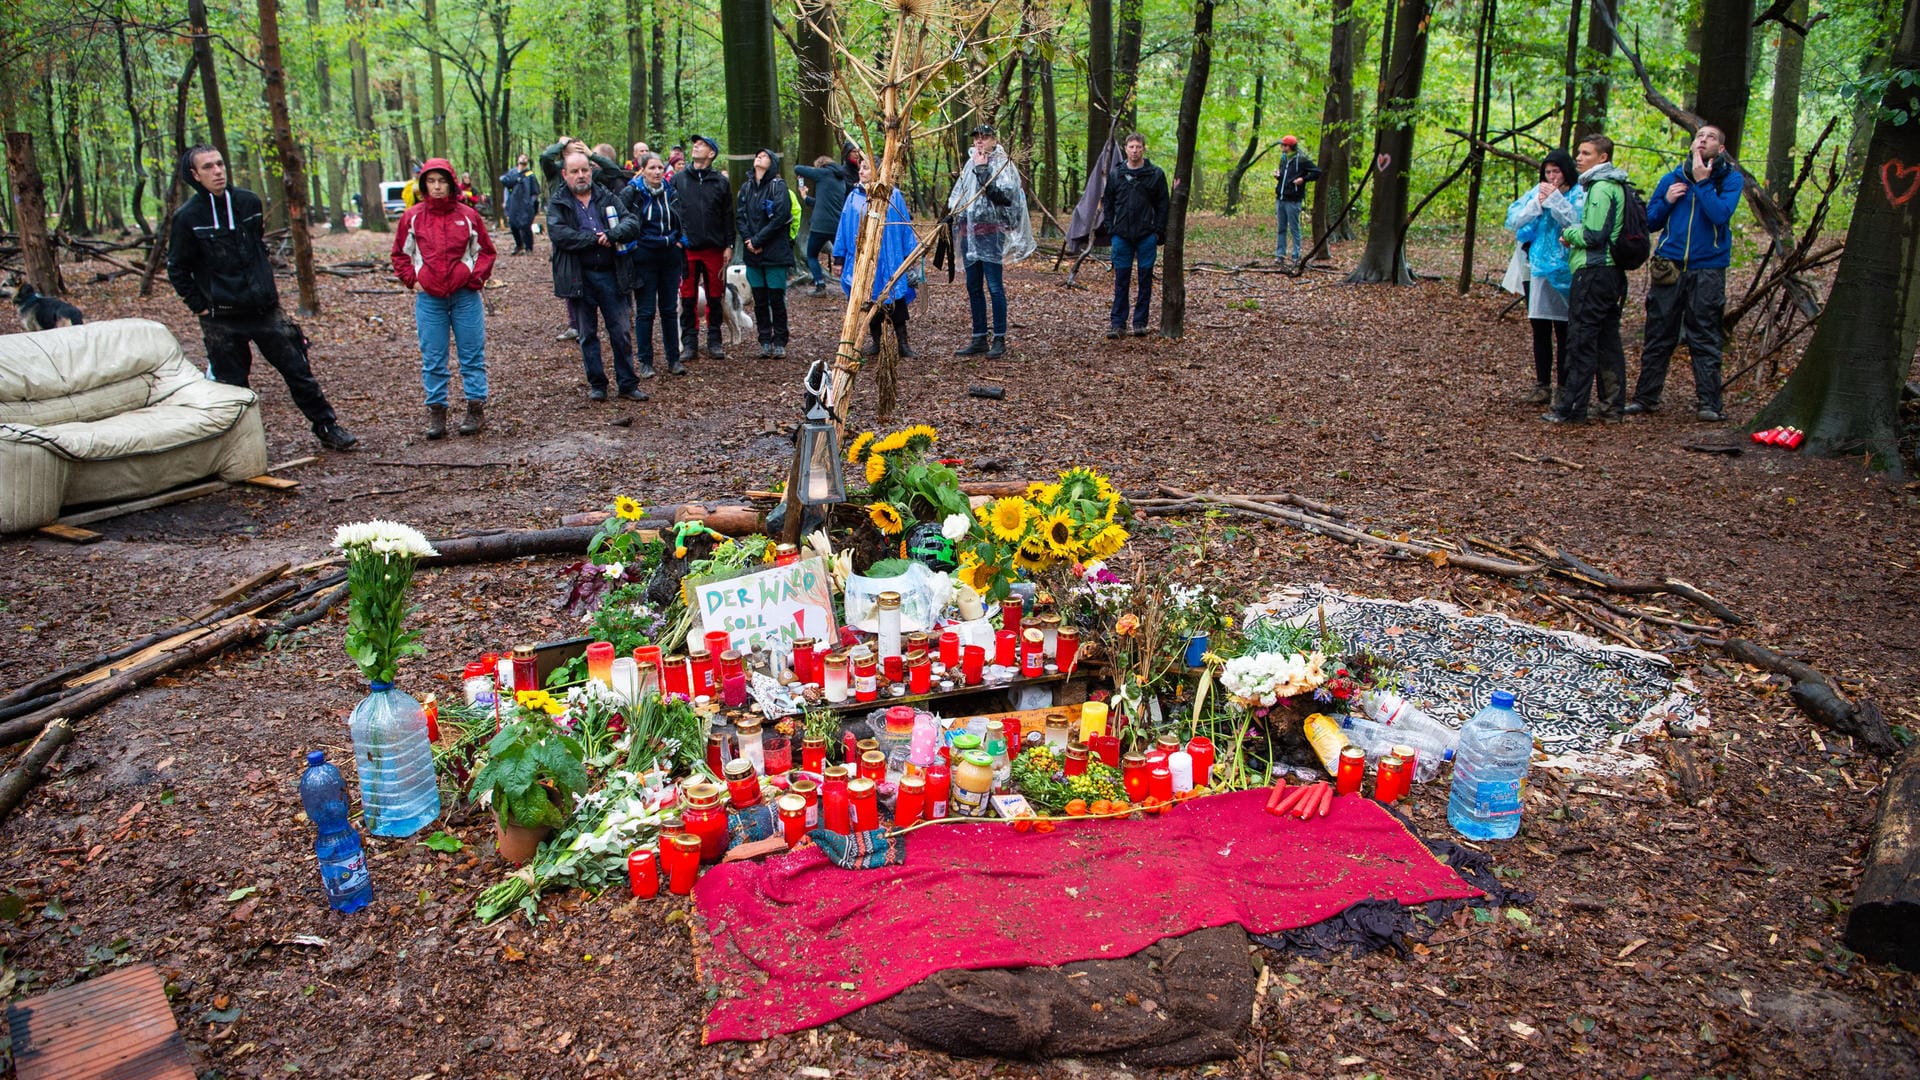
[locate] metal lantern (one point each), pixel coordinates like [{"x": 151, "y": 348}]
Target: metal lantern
[{"x": 819, "y": 480}]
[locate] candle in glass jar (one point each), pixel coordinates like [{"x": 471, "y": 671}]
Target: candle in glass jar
[
  {"x": 648, "y": 656},
  {"x": 1076, "y": 761},
  {"x": 813, "y": 754},
  {"x": 748, "y": 735},
  {"x": 950, "y": 649},
  {"x": 809, "y": 791},
  {"x": 863, "y": 802},
  {"x": 733, "y": 692},
  {"x": 1133, "y": 774},
  {"x": 1093, "y": 720},
  {"x": 1049, "y": 635},
  {"x": 895, "y": 669},
  {"x": 910, "y": 801},
  {"x": 888, "y": 615},
  {"x": 731, "y": 663},
  {"x": 1160, "y": 783},
  {"x": 743, "y": 784},
  {"x": 866, "y": 674},
  {"x": 643, "y": 877},
  {"x": 1010, "y": 612},
  {"x": 919, "y": 673},
  {"x": 1006, "y": 648},
  {"x": 1066, "y": 648},
  {"x": 625, "y": 680},
  {"x": 793, "y": 818},
  {"x": 1352, "y": 772},
  {"x": 600, "y": 661},
  {"x": 717, "y": 752},
  {"x": 679, "y": 679},
  {"x": 684, "y": 866},
  {"x": 1057, "y": 730},
  {"x": 1201, "y": 748},
  {"x": 1180, "y": 764},
  {"x": 718, "y": 641},
  {"x": 1033, "y": 660},
  {"x": 1167, "y": 744},
  {"x": 700, "y": 672},
  {"x": 776, "y": 754},
  {"x": 873, "y": 765},
  {"x": 939, "y": 788},
  {"x": 705, "y": 816},
  {"x": 835, "y": 813},
  {"x": 805, "y": 662},
  {"x": 1106, "y": 748},
  {"x": 526, "y": 675},
  {"x": 786, "y": 554},
  {"x": 835, "y": 681},
  {"x": 973, "y": 664}
]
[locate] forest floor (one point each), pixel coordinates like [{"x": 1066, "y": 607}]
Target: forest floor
[{"x": 1665, "y": 939}]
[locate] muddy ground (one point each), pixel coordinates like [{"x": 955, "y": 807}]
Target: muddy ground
[{"x": 1666, "y": 939}]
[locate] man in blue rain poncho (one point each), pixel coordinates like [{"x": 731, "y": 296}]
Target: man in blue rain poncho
[{"x": 990, "y": 230}]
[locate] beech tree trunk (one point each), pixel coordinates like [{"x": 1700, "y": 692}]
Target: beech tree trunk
[
  {"x": 1126, "y": 68},
  {"x": 1845, "y": 393},
  {"x": 437, "y": 74},
  {"x": 753, "y": 83},
  {"x": 659, "y": 62},
  {"x": 209, "y": 78},
  {"x": 1482, "y": 121},
  {"x": 1099, "y": 78},
  {"x": 636, "y": 72},
  {"x": 1173, "y": 274},
  {"x": 1403, "y": 64},
  {"x": 1336, "y": 126},
  {"x": 1785, "y": 124},
  {"x": 293, "y": 171},
  {"x": 1884, "y": 921},
  {"x": 139, "y": 125},
  {"x": 1049, "y": 138},
  {"x": 1726, "y": 31},
  {"x": 1570, "y": 103},
  {"x": 1252, "y": 153},
  {"x": 372, "y": 217},
  {"x": 1596, "y": 79},
  {"x": 815, "y": 85},
  {"x": 323, "y": 75},
  {"x": 30, "y": 215}
]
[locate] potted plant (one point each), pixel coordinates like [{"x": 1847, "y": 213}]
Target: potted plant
[{"x": 533, "y": 771}]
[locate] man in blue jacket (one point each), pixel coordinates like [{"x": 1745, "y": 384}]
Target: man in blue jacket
[{"x": 1692, "y": 206}]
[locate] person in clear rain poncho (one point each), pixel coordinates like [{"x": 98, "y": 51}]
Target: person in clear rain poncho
[{"x": 989, "y": 232}]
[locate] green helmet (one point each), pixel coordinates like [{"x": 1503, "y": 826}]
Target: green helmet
[{"x": 926, "y": 544}]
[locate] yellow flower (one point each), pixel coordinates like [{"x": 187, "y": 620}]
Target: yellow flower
[
  {"x": 884, "y": 517},
  {"x": 1127, "y": 625},
  {"x": 895, "y": 441},
  {"x": 528, "y": 698},
  {"x": 1037, "y": 491},
  {"x": 857, "y": 451},
  {"x": 1107, "y": 542},
  {"x": 876, "y": 468},
  {"x": 1009, "y": 517},
  {"x": 1058, "y": 533},
  {"x": 1032, "y": 556},
  {"x": 554, "y": 708},
  {"x": 979, "y": 576},
  {"x": 627, "y": 509}
]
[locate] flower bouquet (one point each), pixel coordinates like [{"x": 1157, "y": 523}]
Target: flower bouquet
[{"x": 1076, "y": 519}]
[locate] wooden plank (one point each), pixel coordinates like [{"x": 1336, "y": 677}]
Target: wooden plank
[
  {"x": 179, "y": 495},
  {"x": 116, "y": 1026},
  {"x": 273, "y": 483},
  {"x": 70, "y": 534},
  {"x": 852, "y": 706},
  {"x": 293, "y": 464},
  {"x": 241, "y": 589}
]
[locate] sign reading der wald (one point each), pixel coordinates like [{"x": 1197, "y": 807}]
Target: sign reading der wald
[{"x": 773, "y": 607}]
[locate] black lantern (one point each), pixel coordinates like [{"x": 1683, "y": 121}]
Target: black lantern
[{"x": 819, "y": 480}]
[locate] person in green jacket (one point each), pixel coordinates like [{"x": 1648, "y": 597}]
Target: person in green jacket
[{"x": 1599, "y": 290}]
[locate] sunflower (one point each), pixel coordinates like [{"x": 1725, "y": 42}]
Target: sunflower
[
  {"x": 919, "y": 432},
  {"x": 627, "y": 509},
  {"x": 895, "y": 441},
  {"x": 977, "y": 576},
  {"x": 1009, "y": 517},
  {"x": 1108, "y": 541},
  {"x": 1032, "y": 556},
  {"x": 858, "y": 450},
  {"x": 876, "y": 468},
  {"x": 1037, "y": 491},
  {"x": 884, "y": 517},
  {"x": 1057, "y": 531}
]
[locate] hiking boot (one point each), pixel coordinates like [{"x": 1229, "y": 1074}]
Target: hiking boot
[
  {"x": 1114, "y": 332},
  {"x": 335, "y": 437},
  {"x": 687, "y": 352},
  {"x": 646, "y": 370},
  {"x": 1541, "y": 394},
  {"x": 569, "y": 334},
  {"x": 436, "y": 421},
  {"x": 633, "y": 393},
  {"x": 975, "y": 346},
  {"x": 1553, "y": 417},
  {"x": 714, "y": 350},
  {"x": 870, "y": 347},
  {"x": 1635, "y": 408},
  {"x": 900, "y": 339},
  {"x": 1139, "y": 331},
  {"x": 675, "y": 367},
  {"x": 998, "y": 348},
  {"x": 819, "y": 289},
  {"x": 779, "y": 352},
  {"x": 766, "y": 350},
  {"x": 476, "y": 418},
  {"x": 1709, "y": 416},
  {"x": 597, "y": 393}
]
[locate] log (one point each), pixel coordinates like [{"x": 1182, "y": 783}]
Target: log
[
  {"x": 241, "y": 630},
  {"x": 1691, "y": 775},
  {"x": 1578, "y": 569},
  {"x": 14, "y": 785},
  {"x": 1817, "y": 698},
  {"x": 1884, "y": 922}
]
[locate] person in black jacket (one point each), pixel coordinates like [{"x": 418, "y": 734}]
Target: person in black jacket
[
  {"x": 831, "y": 181},
  {"x": 657, "y": 261},
  {"x": 1290, "y": 180},
  {"x": 1134, "y": 208},
  {"x": 706, "y": 203},
  {"x": 764, "y": 214},
  {"x": 217, "y": 262},
  {"x": 588, "y": 225}
]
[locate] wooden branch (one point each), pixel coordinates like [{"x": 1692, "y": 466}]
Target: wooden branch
[
  {"x": 1884, "y": 921},
  {"x": 1602, "y": 625},
  {"x": 1818, "y": 699},
  {"x": 14, "y": 785},
  {"x": 1578, "y": 569},
  {"x": 1659, "y": 620}
]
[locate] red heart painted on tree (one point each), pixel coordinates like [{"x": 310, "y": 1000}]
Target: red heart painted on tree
[{"x": 1897, "y": 172}]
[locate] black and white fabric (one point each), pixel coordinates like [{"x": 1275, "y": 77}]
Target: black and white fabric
[{"x": 1584, "y": 700}]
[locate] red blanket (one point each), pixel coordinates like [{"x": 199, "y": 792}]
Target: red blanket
[{"x": 795, "y": 942}]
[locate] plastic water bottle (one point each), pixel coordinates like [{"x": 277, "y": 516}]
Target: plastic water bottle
[
  {"x": 343, "y": 865},
  {"x": 1490, "y": 772},
  {"x": 1390, "y": 720},
  {"x": 399, "y": 794}
]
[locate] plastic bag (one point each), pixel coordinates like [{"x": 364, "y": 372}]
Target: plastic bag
[{"x": 923, "y": 594}]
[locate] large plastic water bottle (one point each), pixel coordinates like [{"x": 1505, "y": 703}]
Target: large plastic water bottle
[
  {"x": 399, "y": 794},
  {"x": 343, "y": 865},
  {"x": 1490, "y": 772}
]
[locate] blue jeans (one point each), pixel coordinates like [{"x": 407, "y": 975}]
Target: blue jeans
[
  {"x": 601, "y": 298},
  {"x": 983, "y": 280},
  {"x": 466, "y": 317},
  {"x": 1289, "y": 229},
  {"x": 816, "y": 241},
  {"x": 657, "y": 287},
  {"x": 1126, "y": 253}
]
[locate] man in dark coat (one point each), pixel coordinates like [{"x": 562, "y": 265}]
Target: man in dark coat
[
  {"x": 1290, "y": 180},
  {"x": 764, "y": 215},
  {"x": 589, "y": 226},
  {"x": 217, "y": 262},
  {"x": 706, "y": 207},
  {"x": 523, "y": 202},
  {"x": 1134, "y": 209}
]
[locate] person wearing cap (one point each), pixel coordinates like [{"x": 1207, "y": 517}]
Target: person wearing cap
[
  {"x": 441, "y": 252},
  {"x": 991, "y": 229},
  {"x": 1290, "y": 179},
  {"x": 706, "y": 217}
]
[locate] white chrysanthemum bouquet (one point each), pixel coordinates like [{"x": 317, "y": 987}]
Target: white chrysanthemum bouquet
[
  {"x": 380, "y": 560},
  {"x": 1262, "y": 680}
]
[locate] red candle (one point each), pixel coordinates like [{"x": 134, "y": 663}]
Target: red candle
[
  {"x": 733, "y": 692},
  {"x": 939, "y": 787},
  {"x": 1006, "y": 648},
  {"x": 1033, "y": 655},
  {"x": 600, "y": 661},
  {"x": 717, "y": 751},
  {"x": 776, "y": 753},
  {"x": 863, "y": 797},
  {"x": 793, "y": 818},
  {"x": 718, "y": 641},
  {"x": 866, "y": 672},
  {"x": 873, "y": 766},
  {"x": 1160, "y": 783},
  {"x": 1077, "y": 761},
  {"x": 731, "y": 664},
  {"x": 949, "y": 649},
  {"x": 1010, "y": 610},
  {"x": 683, "y": 866},
  {"x": 643, "y": 877},
  {"x": 806, "y": 666},
  {"x": 911, "y": 800},
  {"x": 1353, "y": 771},
  {"x": 649, "y": 656},
  {"x": 678, "y": 677},
  {"x": 1133, "y": 774},
  {"x": 706, "y": 818},
  {"x": 1066, "y": 646},
  {"x": 1107, "y": 747},
  {"x": 834, "y": 809},
  {"x": 973, "y": 664},
  {"x": 919, "y": 674},
  {"x": 896, "y": 668},
  {"x": 700, "y": 669},
  {"x": 809, "y": 791},
  {"x": 743, "y": 784},
  {"x": 1011, "y": 725},
  {"x": 1200, "y": 748},
  {"x": 813, "y": 754},
  {"x": 1156, "y": 757}
]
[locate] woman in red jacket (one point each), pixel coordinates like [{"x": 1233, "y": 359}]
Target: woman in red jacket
[{"x": 441, "y": 251}]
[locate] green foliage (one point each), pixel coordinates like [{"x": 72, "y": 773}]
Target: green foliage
[
  {"x": 533, "y": 771},
  {"x": 377, "y": 610}
]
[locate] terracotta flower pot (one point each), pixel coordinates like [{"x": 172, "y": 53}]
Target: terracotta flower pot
[{"x": 516, "y": 843}]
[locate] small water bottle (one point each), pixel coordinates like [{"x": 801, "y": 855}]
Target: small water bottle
[
  {"x": 1490, "y": 772},
  {"x": 1396, "y": 721},
  {"x": 343, "y": 865}
]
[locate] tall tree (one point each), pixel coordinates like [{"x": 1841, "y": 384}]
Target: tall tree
[
  {"x": 1726, "y": 30},
  {"x": 1482, "y": 122},
  {"x": 1049, "y": 134},
  {"x": 814, "y": 86},
  {"x": 636, "y": 72},
  {"x": 753, "y": 83},
  {"x": 1173, "y": 273},
  {"x": 138, "y": 123},
  {"x": 1336, "y": 126},
  {"x": 323, "y": 76},
  {"x": 293, "y": 171},
  {"x": 1785, "y": 123},
  {"x": 1403, "y": 62},
  {"x": 30, "y": 215},
  {"x": 1845, "y": 392},
  {"x": 437, "y": 74},
  {"x": 1099, "y": 78},
  {"x": 209, "y": 78},
  {"x": 1126, "y": 67},
  {"x": 1597, "y": 71},
  {"x": 372, "y": 216},
  {"x": 1253, "y": 152},
  {"x": 1570, "y": 101},
  {"x": 659, "y": 71}
]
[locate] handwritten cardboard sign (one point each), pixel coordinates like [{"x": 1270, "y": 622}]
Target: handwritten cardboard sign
[{"x": 772, "y": 607}]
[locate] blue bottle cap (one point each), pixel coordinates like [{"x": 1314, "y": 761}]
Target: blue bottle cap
[
  {"x": 1501, "y": 699},
  {"x": 316, "y": 757}
]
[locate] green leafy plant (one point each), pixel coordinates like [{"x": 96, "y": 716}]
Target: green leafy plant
[
  {"x": 380, "y": 559},
  {"x": 533, "y": 771}
]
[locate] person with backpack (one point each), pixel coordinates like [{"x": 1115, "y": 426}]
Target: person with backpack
[
  {"x": 441, "y": 252},
  {"x": 764, "y": 216},
  {"x": 706, "y": 206},
  {"x": 830, "y": 182},
  {"x": 1603, "y": 245},
  {"x": 1692, "y": 205}
]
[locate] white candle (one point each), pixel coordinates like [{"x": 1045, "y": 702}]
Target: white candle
[
  {"x": 626, "y": 679},
  {"x": 1180, "y": 764}
]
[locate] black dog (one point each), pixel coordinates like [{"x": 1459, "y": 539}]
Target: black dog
[{"x": 44, "y": 312}]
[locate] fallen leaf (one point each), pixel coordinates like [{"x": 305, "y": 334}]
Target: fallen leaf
[
  {"x": 1524, "y": 1030},
  {"x": 242, "y": 893},
  {"x": 510, "y": 954}
]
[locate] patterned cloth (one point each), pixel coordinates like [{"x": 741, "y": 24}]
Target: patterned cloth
[
  {"x": 748, "y": 826},
  {"x": 1583, "y": 699},
  {"x": 868, "y": 850}
]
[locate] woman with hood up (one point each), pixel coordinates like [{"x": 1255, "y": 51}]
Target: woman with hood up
[
  {"x": 764, "y": 216},
  {"x": 896, "y": 243},
  {"x": 1540, "y": 265},
  {"x": 442, "y": 252}
]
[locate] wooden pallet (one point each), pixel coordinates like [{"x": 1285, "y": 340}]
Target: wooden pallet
[
  {"x": 69, "y": 526},
  {"x": 117, "y": 1026}
]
